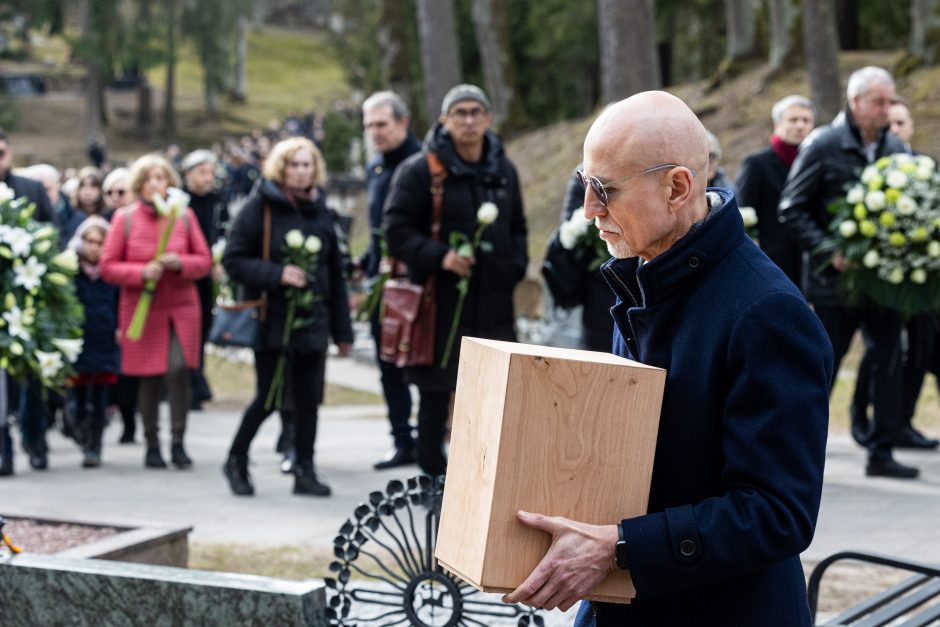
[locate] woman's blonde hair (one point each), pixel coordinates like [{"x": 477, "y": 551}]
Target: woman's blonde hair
[
  {"x": 140, "y": 168},
  {"x": 275, "y": 165}
]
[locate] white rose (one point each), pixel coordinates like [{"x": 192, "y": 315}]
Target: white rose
[
  {"x": 875, "y": 200},
  {"x": 848, "y": 228},
  {"x": 871, "y": 259},
  {"x": 896, "y": 277},
  {"x": 855, "y": 195},
  {"x": 869, "y": 173},
  {"x": 923, "y": 174},
  {"x": 6, "y": 194},
  {"x": 902, "y": 158},
  {"x": 933, "y": 249},
  {"x": 896, "y": 179},
  {"x": 923, "y": 161},
  {"x": 487, "y": 213},
  {"x": 294, "y": 239},
  {"x": 749, "y": 216},
  {"x": 568, "y": 235},
  {"x": 906, "y": 205},
  {"x": 919, "y": 276},
  {"x": 312, "y": 244}
]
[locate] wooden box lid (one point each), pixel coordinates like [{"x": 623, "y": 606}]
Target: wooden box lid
[{"x": 554, "y": 431}]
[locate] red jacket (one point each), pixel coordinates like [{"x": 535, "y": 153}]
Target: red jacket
[{"x": 175, "y": 302}]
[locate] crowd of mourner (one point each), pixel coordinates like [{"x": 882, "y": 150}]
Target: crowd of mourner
[{"x": 253, "y": 229}]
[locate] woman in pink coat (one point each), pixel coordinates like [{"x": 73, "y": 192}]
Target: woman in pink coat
[{"x": 169, "y": 345}]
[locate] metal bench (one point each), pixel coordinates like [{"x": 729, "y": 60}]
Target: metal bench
[{"x": 915, "y": 602}]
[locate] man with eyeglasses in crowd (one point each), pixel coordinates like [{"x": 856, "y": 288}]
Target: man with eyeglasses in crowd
[
  {"x": 738, "y": 470},
  {"x": 477, "y": 171},
  {"x": 830, "y": 159},
  {"x": 33, "y": 419}
]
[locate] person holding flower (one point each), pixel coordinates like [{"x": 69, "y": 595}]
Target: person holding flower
[
  {"x": 99, "y": 363},
  {"x": 829, "y": 160},
  {"x": 304, "y": 286},
  {"x": 159, "y": 314},
  {"x": 479, "y": 258}
]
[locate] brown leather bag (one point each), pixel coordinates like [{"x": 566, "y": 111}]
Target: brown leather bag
[{"x": 410, "y": 310}]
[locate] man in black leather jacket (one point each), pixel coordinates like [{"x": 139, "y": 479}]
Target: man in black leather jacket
[{"x": 829, "y": 160}]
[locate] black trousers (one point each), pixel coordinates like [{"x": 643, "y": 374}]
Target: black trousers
[
  {"x": 307, "y": 371},
  {"x": 397, "y": 395},
  {"x": 432, "y": 423},
  {"x": 881, "y": 330}
]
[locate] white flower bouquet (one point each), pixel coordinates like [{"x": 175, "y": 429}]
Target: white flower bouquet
[
  {"x": 888, "y": 228},
  {"x": 41, "y": 319},
  {"x": 579, "y": 235}
]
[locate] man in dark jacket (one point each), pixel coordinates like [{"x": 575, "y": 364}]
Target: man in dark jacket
[
  {"x": 198, "y": 168},
  {"x": 738, "y": 471},
  {"x": 385, "y": 117},
  {"x": 761, "y": 179},
  {"x": 478, "y": 172},
  {"x": 32, "y": 410},
  {"x": 830, "y": 159}
]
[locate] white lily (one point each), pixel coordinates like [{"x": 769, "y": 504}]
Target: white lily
[
  {"x": 487, "y": 213},
  {"x": 6, "y": 193},
  {"x": 29, "y": 274},
  {"x": 70, "y": 348},
  {"x": 174, "y": 204},
  {"x": 16, "y": 326},
  {"x": 19, "y": 240},
  {"x": 67, "y": 260},
  {"x": 218, "y": 250},
  {"x": 50, "y": 363}
]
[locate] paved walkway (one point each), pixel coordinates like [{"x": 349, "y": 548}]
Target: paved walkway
[{"x": 887, "y": 516}]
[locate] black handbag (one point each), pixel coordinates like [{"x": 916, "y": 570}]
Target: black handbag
[
  {"x": 239, "y": 325},
  {"x": 564, "y": 274}
]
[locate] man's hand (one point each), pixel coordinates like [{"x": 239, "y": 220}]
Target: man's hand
[
  {"x": 579, "y": 559},
  {"x": 457, "y": 264},
  {"x": 839, "y": 262},
  {"x": 293, "y": 276}
]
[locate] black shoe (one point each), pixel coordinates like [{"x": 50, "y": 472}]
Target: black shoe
[
  {"x": 912, "y": 438},
  {"x": 395, "y": 458},
  {"x": 306, "y": 482},
  {"x": 38, "y": 460},
  {"x": 6, "y": 466},
  {"x": 154, "y": 459},
  {"x": 179, "y": 458},
  {"x": 861, "y": 429},
  {"x": 888, "y": 467},
  {"x": 90, "y": 459},
  {"x": 126, "y": 438},
  {"x": 195, "y": 405},
  {"x": 235, "y": 470}
]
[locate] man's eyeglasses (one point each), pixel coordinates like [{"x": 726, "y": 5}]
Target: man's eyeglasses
[{"x": 600, "y": 189}]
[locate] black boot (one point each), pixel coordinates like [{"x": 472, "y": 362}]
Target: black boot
[
  {"x": 6, "y": 456},
  {"x": 235, "y": 470},
  {"x": 179, "y": 457},
  {"x": 154, "y": 459},
  {"x": 306, "y": 482}
]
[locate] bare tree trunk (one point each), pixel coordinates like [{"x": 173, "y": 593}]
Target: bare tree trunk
[
  {"x": 396, "y": 42},
  {"x": 782, "y": 15},
  {"x": 440, "y": 58},
  {"x": 240, "y": 68},
  {"x": 94, "y": 104},
  {"x": 925, "y": 26},
  {"x": 629, "y": 63},
  {"x": 741, "y": 23},
  {"x": 847, "y": 24},
  {"x": 822, "y": 56},
  {"x": 169, "y": 93},
  {"x": 489, "y": 25}
]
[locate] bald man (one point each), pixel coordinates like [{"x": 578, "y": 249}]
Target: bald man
[{"x": 739, "y": 459}]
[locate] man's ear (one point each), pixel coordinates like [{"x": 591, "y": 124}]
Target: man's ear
[{"x": 679, "y": 190}]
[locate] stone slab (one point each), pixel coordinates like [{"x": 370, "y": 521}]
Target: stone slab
[{"x": 99, "y": 592}]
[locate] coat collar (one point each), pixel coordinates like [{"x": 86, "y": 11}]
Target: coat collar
[
  {"x": 852, "y": 135},
  {"x": 687, "y": 261},
  {"x": 439, "y": 141}
]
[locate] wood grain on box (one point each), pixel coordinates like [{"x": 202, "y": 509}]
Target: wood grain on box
[{"x": 555, "y": 431}]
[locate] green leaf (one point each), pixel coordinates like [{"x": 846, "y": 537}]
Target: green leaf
[
  {"x": 486, "y": 247},
  {"x": 465, "y": 250}
]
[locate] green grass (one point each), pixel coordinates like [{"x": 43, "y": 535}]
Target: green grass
[{"x": 288, "y": 72}]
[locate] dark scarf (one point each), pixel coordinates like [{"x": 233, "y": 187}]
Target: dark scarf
[
  {"x": 91, "y": 270},
  {"x": 786, "y": 152}
]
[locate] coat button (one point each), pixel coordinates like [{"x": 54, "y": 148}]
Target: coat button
[
  {"x": 687, "y": 547},
  {"x": 693, "y": 262}
]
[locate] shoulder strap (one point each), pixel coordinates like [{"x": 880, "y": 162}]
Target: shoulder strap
[
  {"x": 128, "y": 212},
  {"x": 266, "y": 256},
  {"x": 438, "y": 174}
]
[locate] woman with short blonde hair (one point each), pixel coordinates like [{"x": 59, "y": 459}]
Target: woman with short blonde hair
[
  {"x": 141, "y": 168},
  {"x": 275, "y": 166}
]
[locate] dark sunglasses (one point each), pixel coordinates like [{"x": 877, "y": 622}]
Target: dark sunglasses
[
  {"x": 3, "y": 153},
  {"x": 116, "y": 192},
  {"x": 600, "y": 189}
]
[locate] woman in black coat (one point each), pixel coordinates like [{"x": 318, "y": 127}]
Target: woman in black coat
[{"x": 293, "y": 191}]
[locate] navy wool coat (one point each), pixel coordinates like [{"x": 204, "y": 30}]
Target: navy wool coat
[
  {"x": 738, "y": 471},
  {"x": 100, "y": 352}
]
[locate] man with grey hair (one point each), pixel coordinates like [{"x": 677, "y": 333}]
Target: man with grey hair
[
  {"x": 829, "y": 159},
  {"x": 386, "y": 117},
  {"x": 763, "y": 173}
]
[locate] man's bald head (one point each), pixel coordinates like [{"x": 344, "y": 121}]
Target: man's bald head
[{"x": 646, "y": 130}]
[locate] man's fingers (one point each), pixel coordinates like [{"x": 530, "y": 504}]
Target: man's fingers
[
  {"x": 530, "y": 586},
  {"x": 548, "y": 524}
]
